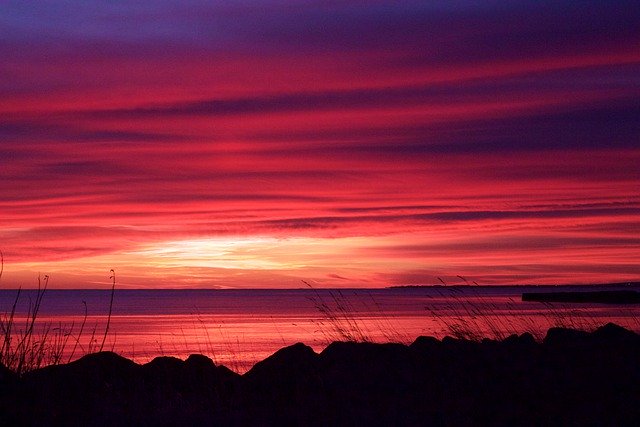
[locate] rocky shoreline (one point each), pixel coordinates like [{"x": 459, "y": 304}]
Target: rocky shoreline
[{"x": 571, "y": 378}]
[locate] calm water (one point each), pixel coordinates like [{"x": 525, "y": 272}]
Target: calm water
[{"x": 239, "y": 327}]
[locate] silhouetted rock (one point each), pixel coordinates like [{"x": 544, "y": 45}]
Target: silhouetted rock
[
  {"x": 564, "y": 337},
  {"x": 613, "y": 333},
  {"x": 97, "y": 386},
  {"x": 6, "y": 374},
  {"x": 425, "y": 344},
  {"x": 571, "y": 378},
  {"x": 383, "y": 370},
  {"x": 297, "y": 358},
  {"x": 187, "y": 392},
  {"x": 525, "y": 340},
  {"x": 8, "y": 384},
  {"x": 276, "y": 389}
]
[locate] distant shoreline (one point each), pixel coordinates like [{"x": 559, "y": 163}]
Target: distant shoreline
[
  {"x": 599, "y": 296},
  {"x": 394, "y": 287},
  {"x": 526, "y": 285}
]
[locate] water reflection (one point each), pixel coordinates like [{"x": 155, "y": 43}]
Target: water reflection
[{"x": 239, "y": 328}]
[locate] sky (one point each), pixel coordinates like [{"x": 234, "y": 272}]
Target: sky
[{"x": 227, "y": 144}]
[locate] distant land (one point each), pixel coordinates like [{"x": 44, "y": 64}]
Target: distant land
[{"x": 568, "y": 285}]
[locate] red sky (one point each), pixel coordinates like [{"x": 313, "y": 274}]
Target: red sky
[{"x": 258, "y": 144}]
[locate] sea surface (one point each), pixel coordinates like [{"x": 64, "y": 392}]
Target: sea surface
[{"x": 237, "y": 328}]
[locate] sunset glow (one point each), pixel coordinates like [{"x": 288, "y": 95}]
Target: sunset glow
[{"x": 346, "y": 144}]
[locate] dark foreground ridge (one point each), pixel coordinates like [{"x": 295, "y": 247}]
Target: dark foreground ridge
[{"x": 571, "y": 378}]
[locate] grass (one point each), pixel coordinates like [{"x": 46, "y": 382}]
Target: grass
[
  {"x": 28, "y": 344},
  {"x": 23, "y": 349},
  {"x": 475, "y": 316},
  {"x": 341, "y": 320},
  {"x": 463, "y": 312}
]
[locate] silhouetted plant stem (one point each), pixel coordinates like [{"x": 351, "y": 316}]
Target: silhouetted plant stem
[
  {"x": 84, "y": 320},
  {"x": 113, "y": 288}
]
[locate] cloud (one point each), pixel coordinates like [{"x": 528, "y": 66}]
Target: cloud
[
  {"x": 432, "y": 130},
  {"x": 458, "y": 30},
  {"x": 45, "y": 130}
]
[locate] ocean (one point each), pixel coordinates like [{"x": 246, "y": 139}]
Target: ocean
[{"x": 237, "y": 328}]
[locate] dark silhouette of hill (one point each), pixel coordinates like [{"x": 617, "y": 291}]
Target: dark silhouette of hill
[{"x": 571, "y": 378}]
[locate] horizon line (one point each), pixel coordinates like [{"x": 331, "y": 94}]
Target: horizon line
[{"x": 626, "y": 283}]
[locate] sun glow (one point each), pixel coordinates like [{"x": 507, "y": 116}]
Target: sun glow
[
  {"x": 219, "y": 262},
  {"x": 240, "y": 253},
  {"x": 246, "y": 253}
]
